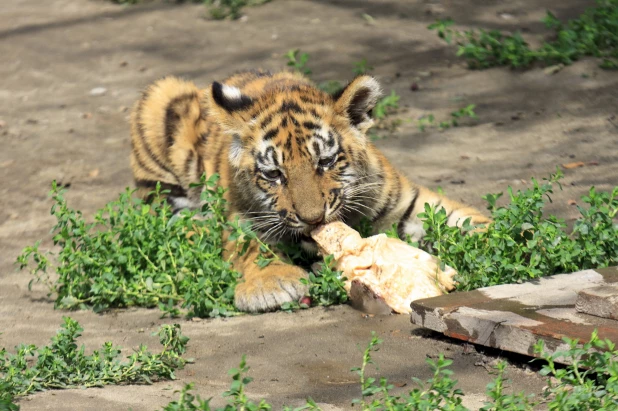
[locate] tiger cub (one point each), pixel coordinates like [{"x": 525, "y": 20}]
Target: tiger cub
[{"x": 291, "y": 157}]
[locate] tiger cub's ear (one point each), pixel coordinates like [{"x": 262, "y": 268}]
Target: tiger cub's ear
[
  {"x": 357, "y": 100},
  {"x": 228, "y": 104}
]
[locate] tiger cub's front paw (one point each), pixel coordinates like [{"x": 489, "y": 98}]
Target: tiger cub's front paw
[{"x": 268, "y": 288}]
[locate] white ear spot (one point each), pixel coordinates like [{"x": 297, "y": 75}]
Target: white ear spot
[
  {"x": 376, "y": 91},
  {"x": 231, "y": 93}
]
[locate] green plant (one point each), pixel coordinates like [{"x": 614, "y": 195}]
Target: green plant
[
  {"x": 237, "y": 399},
  {"x": 222, "y": 9},
  {"x": 386, "y": 105},
  {"x": 437, "y": 393},
  {"x": 501, "y": 401},
  {"x": 298, "y": 61},
  {"x": 137, "y": 254},
  {"x": 591, "y": 379},
  {"x": 592, "y": 34},
  {"x": 326, "y": 285},
  {"x": 362, "y": 67},
  {"x": 384, "y": 108},
  {"x": 425, "y": 121},
  {"x": 456, "y": 116},
  {"x": 62, "y": 364},
  {"x": 522, "y": 243},
  {"x": 590, "y": 382}
]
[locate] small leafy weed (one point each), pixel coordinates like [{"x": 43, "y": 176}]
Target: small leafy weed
[
  {"x": 522, "y": 243},
  {"x": 222, "y": 9},
  {"x": 138, "y": 254},
  {"x": 362, "y": 67},
  {"x": 298, "y": 61},
  {"x": 62, "y": 364},
  {"x": 588, "y": 383},
  {"x": 456, "y": 116},
  {"x": 592, "y": 34}
]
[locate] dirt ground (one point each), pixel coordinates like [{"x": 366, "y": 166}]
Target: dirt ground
[{"x": 55, "y": 52}]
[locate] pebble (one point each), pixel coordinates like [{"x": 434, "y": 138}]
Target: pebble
[{"x": 98, "y": 91}]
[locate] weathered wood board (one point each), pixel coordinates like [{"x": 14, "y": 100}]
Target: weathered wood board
[{"x": 514, "y": 317}]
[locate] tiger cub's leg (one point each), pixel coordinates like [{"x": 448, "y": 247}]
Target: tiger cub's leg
[
  {"x": 267, "y": 288},
  {"x": 166, "y": 140},
  {"x": 402, "y": 201}
]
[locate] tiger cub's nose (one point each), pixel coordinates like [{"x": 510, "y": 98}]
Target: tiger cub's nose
[{"x": 313, "y": 221}]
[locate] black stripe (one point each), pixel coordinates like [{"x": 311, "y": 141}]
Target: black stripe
[
  {"x": 229, "y": 105},
  {"x": 188, "y": 161},
  {"x": 203, "y": 138},
  {"x": 316, "y": 148},
  {"x": 218, "y": 160},
  {"x": 143, "y": 166},
  {"x": 142, "y": 135},
  {"x": 406, "y": 215},
  {"x": 388, "y": 207},
  {"x": 271, "y": 153},
  {"x": 310, "y": 125},
  {"x": 308, "y": 99},
  {"x": 171, "y": 120},
  {"x": 270, "y": 134},
  {"x": 172, "y": 117},
  {"x": 266, "y": 121},
  {"x": 200, "y": 166},
  {"x": 291, "y": 106}
]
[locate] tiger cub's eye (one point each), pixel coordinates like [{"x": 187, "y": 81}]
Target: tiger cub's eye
[
  {"x": 272, "y": 174},
  {"x": 327, "y": 161}
]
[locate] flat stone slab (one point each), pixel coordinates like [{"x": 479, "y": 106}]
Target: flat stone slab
[
  {"x": 514, "y": 317},
  {"x": 600, "y": 301}
]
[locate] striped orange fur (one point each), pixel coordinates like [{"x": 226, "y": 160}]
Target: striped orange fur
[{"x": 291, "y": 157}]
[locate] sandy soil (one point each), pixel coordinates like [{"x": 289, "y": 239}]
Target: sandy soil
[{"x": 54, "y": 53}]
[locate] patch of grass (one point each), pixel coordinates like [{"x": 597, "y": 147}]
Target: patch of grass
[
  {"x": 223, "y": 9},
  {"x": 137, "y": 254},
  {"x": 298, "y": 61},
  {"x": 62, "y": 364},
  {"x": 523, "y": 243},
  {"x": 589, "y": 383},
  {"x": 594, "y": 34},
  {"x": 362, "y": 67},
  {"x": 456, "y": 116},
  {"x": 382, "y": 112},
  {"x": 386, "y": 105}
]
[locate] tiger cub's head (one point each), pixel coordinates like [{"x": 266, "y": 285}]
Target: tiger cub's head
[{"x": 299, "y": 154}]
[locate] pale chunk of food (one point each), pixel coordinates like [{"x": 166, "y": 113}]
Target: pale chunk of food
[{"x": 385, "y": 270}]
